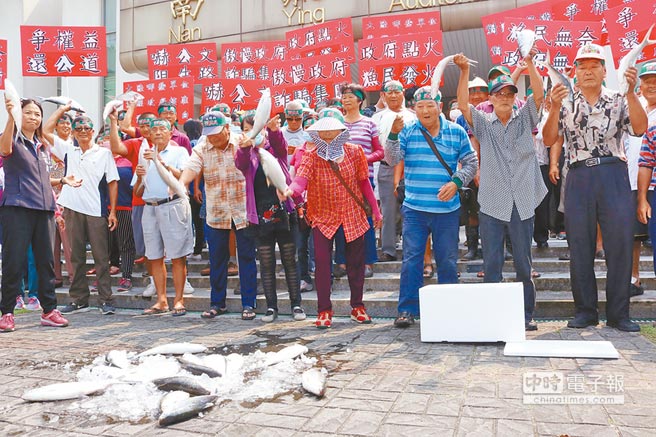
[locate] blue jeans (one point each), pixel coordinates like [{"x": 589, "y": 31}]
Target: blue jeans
[
  {"x": 416, "y": 227},
  {"x": 32, "y": 276},
  {"x": 217, "y": 242},
  {"x": 492, "y": 233}
]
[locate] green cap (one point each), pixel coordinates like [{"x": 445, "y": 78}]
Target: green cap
[
  {"x": 424, "y": 93},
  {"x": 498, "y": 69},
  {"x": 500, "y": 82},
  {"x": 214, "y": 122},
  {"x": 647, "y": 69}
]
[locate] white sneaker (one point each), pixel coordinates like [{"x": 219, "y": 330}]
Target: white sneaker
[
  {"x": 298, "y": 314},
  {"x": 306, "y": 286},
  {"x": 270, "y": 315},
  {"x": 188, "y": 289},
  {"x": 197, "y": 257},
  {"x": 150, "y": 290}
]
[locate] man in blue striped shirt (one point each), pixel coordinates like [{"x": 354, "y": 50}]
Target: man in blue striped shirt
[{"x": 431, "y": 203}]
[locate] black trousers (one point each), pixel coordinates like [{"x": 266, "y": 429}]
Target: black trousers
[
  {"x": 199, "y": 226},
  {"x": 20, "y": 227},
  {"x": 541, "y": 228},
  {"x": 600, "y": 194}
]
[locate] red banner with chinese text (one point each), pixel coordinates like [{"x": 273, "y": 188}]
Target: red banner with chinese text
[
  {"x": 333, "y": 38},
  {"x": 400, "y": 24},
  {"x": 239, "y": 94},
  {"x": 63, "y": 51},
  {"x": 197, "y": 61},
  {"x": 586, "y": 10},
  {"x": 180, "y": 92},
  {"x": 3, "y": 63},
  {"x": 627, "y": 25},
  {"x": 253, "y": 53}
]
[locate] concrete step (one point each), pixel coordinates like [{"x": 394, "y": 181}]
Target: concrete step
[{"x": 552, "y": 304}]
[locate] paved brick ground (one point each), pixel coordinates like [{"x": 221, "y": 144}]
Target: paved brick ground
[{"x": 383, "y": 381}]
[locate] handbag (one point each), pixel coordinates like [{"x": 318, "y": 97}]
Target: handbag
[
  {"x": 466, "y": 194},
  {"x": 364, "y": 204}
]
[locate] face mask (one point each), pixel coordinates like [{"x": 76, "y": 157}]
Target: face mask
[
  {"x": 454, "y": 114},
  {"x": 259, "y": 139},
  {"x": 306, "y": 137}
]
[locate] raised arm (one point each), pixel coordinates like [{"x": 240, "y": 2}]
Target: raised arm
[
  {"x": 463, "y": 87},
  {"x": 7, "y": 137},
  {"x": 536, "y": 79},
  {"x": 126, "y": 124},
  {"x": 550, "y": 130},
  {"x": 51, "y": 123},
  {"x": 637, "y": 114},
  {"x": 117, "y": 146}
]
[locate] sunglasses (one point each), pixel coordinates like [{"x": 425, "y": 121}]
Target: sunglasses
[
  {"x": 83, "y": 129},
  {"x": 294, "y": 118}
]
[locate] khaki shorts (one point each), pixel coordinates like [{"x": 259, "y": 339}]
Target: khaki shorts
[{"x": 167, "y": 230}]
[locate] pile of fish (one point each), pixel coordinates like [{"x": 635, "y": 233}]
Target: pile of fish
[{"x": 179, "y": 381}]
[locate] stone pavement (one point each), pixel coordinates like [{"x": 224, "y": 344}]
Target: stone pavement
[{"x": 382, "y": 381}]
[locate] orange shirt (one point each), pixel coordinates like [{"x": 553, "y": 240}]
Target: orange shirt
[{"x": 329, "y": 204}]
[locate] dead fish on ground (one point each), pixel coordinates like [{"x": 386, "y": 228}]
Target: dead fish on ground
[
  {"x": 174, "y": 349},
  {"x": 65, "y": 390},
  {"x": 314, "y": 381},
  {"x": 186, "y": 409},
  {"x": 197, "y": 367},
  {"x": 170, "y": 399},
  {"x": 181, "y": 383},
  {"x": 630, "y": 60},
  {"x": 288, "y": 353},
  {"x": 118, "y": 359}
]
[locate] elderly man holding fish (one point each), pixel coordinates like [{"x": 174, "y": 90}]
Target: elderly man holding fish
[
  {"x": 28, "y": 207},
  {"x": 597, "y": 188},
  {"x": 83, "y": 214},
  {"x": 427, "y": 146},
  {"x": 511, "y": 185},
  {"x": 225, "y": 194},
  {"x": 166, "y": 217}
]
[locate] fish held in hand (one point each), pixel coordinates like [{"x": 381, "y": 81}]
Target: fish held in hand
[
  {"x": 525, "y": 41},
  {"x": 11, "y": 94},
  {"x": 436, "y": 79},
  {"x": 174, "y": 184},
  {"x": 110, "y": 107},
  {"x": 272, "y": 170},
  {"x": 557, "y": 77},
  {"x": 630, "y": 60},
  {"x": 262, "y": 114},
  {"x": 63, "y": 101}
]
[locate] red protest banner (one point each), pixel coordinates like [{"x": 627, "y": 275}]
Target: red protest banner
[
  {"x": 494, "y": 25},
  {"x": 409, "y": 74},
  {"x": 627, "y": 25},
  {"x": 239, "y": 94},
  {"x": 561, "y": 39},
  {"x": 333, "y": 37},
  {"x": 400, "y": 24},
  {"x": 254, "y": 52},
  {"x": 3, "y": 62},
  {"x": 63, "y": 51},
  {"x": 197, "y": 60},
  {"x": 180, "y": 92}
]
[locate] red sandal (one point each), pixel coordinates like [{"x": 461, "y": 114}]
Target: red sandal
[{"x": 324, "y": 320}]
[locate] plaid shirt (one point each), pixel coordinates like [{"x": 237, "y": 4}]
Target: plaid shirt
[
  {"x": 225, "y": 186},
  {"x": 648, "y": 153},
  {"x": 329, "y": 204}
]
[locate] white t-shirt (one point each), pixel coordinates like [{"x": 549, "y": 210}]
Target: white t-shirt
[
  {"x": 632, "y": 147},
  {"x": 155, "y": 188},
  {"x": 90, "y": 166}
]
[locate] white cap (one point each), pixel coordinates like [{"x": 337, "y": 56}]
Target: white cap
[
  {"x": 590, "y": 51},
  {"x": 477, "y": 82}
]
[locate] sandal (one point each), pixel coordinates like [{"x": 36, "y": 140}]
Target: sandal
[
  {"x": 177, "y": 312},
  {"x": 233, "y": 269},
  {"x": 404, "y": 320},
  {"x": 360, "y": 315},
  {"x": 324, "y": 320},
  {"x": 429, "y": 272},
  {"x": 247, "y": 313},
  {"x": 535, "y": 274},
  {"x": 213, "y": 312},
  {"x": 154, "y": 311},
  {"x": 480, "y": 274}
]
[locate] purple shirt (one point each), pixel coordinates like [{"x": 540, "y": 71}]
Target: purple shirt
[
  {"x": 177, "y": 136},
  {"x": 364, "y": 133}
]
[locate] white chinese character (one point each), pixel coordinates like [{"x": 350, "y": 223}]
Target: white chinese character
[
  {"x": 388, "y": 74},
  {"x": 161, "y": 86},
  {"x": 309, "y": 39},
  {"x": 90, "y": 63},
  {"x": 184, "y": 100},
  {"x": 410, "y": 49},
  {"x": 205, "y": 55},
  {"x": 214, "y": 92},
  {"x": 370, "y": 78},
  {"x": 64, "y": 39},
  {"x": 281, "y": 98},
  {"x": 316, "y": 72},
  {"x": 409, "y": 74},
  {"x": 160, "y": 57},
  {"x": 38, "y": 39},
  {"x": 629, "y": 41},
  {"x": 324, "y": 35},
  {"x": 160, "y": 74},
  {"x": 90, "y": 40},
  {"x": 278, "y": 76},
  {"x": 563, "y": 38},
  {"x": 231, "y": 73},
  {"x": 248, "y": 73},
  {"x": 339, "y": 67},
  {"x": 571, "y": 11},
  {"x": 615, "y": 383},
  {"x": 427, "y": 73},
  {"x": 320, "y": 93},
  {"x": 230, "y": 56},
  {"x": 599, "y": 6},
  {"x": 595, "y": 382},
  {"x": 625, "y": 17},
  {"x": 239, "y": 94},
  {"x": 511, "y": 58},
  {"x": 576, "y": 383},
  {"x": 64, "y": 64},
  {"x": 298, "y": 74},
  {"x": 389, "y": 50},
  {"x": 541, "y": 33},
  {"x": 184, "y": 57},
  {"x": 303, "y": 94},
  {"x": 184, "y": 72},
  {"x": 150, "y": 87},
  {"x": 246, "y": 55},
  {"x": 263, "y": 72},
  {"x": 586, "y": 37},
  {"x": 430, "y": 46},
  {"x": 206, "y": 73},
  {"x": 37, "y": 64},
  {"x": 279, "y": 52}
]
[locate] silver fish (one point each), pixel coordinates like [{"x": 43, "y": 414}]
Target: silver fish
[
  {"x": 630, "y": 60},
  {"x": 288, "y": 353},
  {"x": 525, "y": 41},
  {"x": 171, "y": 399},
  {"x": 110, "y": 106},
  {"x": 262, "y": 113},
  {"x": 66, "y": 390},
  {"x": 314, "y": 381},
  {"x": 168, "y": 178},
  {"x": 17, "y": 112},
  {"x": 130, "y": 96},
  {"x": 436, "y": 79},
  {"x": 181, "y": 383},
  {"x": 118, "y": 359},
  {"x": 272, "y": 170},
  {"x": 175, "y": 349},
  {"x": 196, "y": 367},
  {"x": 186, "y": 409},
  {"x": 557, "y": 77},
  {"x": 63, "y": 101}
]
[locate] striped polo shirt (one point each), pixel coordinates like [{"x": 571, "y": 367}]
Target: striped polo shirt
[
  {"x": 362, "y": 132},
  {"x": 510, "y": 174},
  {"x": 424, "y": 174}
]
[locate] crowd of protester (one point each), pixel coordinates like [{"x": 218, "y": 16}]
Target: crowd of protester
[{"x": 511, "y": 170}]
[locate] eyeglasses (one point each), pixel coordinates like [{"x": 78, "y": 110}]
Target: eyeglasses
[
  {"x": 83, "y": 129},
  {"x": 294, "y": 119},
  {"x": 505, "y": 95}
]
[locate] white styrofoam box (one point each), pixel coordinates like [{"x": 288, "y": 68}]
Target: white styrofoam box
[
  {"x": 561, "y": 349},
  {"x": 472, "y": 312}
]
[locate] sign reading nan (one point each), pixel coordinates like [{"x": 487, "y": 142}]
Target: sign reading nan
[{"x": 181, "y": 9}]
